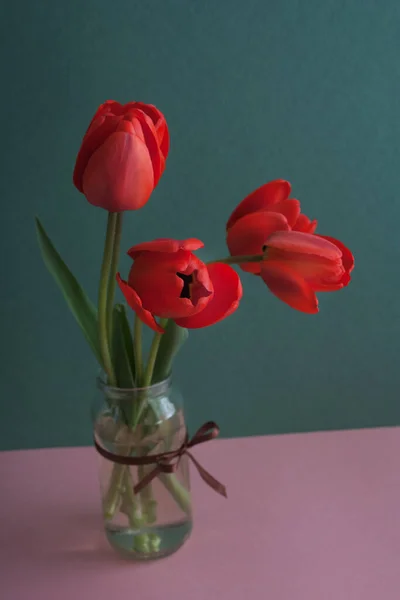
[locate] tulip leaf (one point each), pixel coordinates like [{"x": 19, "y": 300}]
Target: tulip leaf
[
  {"x": 171, "y": 342},
  {"x": 80, "y": 305},
  {"x": 122, "y": 348}
]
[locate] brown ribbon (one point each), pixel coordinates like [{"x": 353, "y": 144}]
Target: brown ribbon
[{"x": 168, "y": 462}]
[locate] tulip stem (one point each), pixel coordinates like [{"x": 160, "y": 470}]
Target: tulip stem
[
  {"x": 113, "y": 271},
  {"x": 137, "y": 350},
  {"x": 237, "y": 260},
  {"x": 103, "y": 293},
  {"x": 148, "y": 376}
]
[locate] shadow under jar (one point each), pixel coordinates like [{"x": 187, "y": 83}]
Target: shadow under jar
[{"x": 142, "y": 422}]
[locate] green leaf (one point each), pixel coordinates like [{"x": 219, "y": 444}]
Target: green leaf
[
  {"x": 171, "y": 342},
  {"x": 81, "y": 307},
  {"x": 122, "y": 349}
]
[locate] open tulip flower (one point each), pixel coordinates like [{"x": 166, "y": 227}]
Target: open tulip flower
[
  {"x": 169, "y": 281},
  {"x": 122, "y": 155},
  {"x": 293, "y": 261}
]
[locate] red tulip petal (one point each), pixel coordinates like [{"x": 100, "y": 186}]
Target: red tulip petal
[
  {"x": 288, "y": 208},
  {"x": 322, "y": 287},
  {"x": 108, "y": 108},
  {"x": 305, "y": 225},
  {"x": 154, "y": 276},
  {"x": 165, "y": 245},
  {"x": 96, "y": 135},
  {"x": 316, "y": 270},
  {"x": 119, "y": 175},
  {"x": 135, "y": 303},
  {"x": 313, "y": 226},
  {"x": 347, "y": 263},
  {"x": 227, "y": 294},
  {"x": 202, "y": 289},
  {"x": 262, "y": 198},
  {"x": 133, "y": 127},
  {"x": 191, "y": 244},
  {"x": 159, "y": 123},
  {"x": 152, "y": 143},
  {"x": 305, "y": 243},
  {"x": 149, "y": 109},
  {"x": 347, "y": 256},
  {"x": 289, "y": 286},
  {"x": 163, "y": 137},
  {"x": 249, "y": 234}
]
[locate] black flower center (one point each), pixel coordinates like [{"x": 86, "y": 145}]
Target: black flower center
[{"x": 187, "y": 281}]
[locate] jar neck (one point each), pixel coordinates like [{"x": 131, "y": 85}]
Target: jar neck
[{"x": 155, "y": 390}]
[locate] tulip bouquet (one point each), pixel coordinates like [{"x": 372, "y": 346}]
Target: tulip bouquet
[{"x": 169, "y": 288}]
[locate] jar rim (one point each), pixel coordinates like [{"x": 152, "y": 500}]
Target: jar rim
[{"x": 153, "y": 389}]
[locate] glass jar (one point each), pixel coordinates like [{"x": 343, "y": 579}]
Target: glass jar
[{"x": 136, "y": 423}]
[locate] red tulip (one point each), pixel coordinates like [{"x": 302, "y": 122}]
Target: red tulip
[
  {"x": 122, "y": 155},
  {"x": 262, "y": 212},
  {"x": 167, "y": 280},
  {"x": 299, "y": 264}
]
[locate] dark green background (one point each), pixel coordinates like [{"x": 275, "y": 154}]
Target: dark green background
[{"x": 255, "y": 90}]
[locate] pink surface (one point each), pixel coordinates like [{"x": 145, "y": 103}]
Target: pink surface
[{"x": 309, "y": 517}]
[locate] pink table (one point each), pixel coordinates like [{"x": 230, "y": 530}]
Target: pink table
[{"x": 309, "y": 517}]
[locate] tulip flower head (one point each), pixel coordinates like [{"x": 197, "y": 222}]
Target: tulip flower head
[
  {"x": 297, "y": 263},
  {"x": 168, "y": 280},
  {"x": 122, "y": 155}
]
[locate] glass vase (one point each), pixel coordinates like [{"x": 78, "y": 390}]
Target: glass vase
[{"x": 130, "y": 424}]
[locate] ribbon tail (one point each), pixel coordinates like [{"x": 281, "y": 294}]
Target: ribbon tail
[
  {"x": 216, "y": 485},
  {"x": 146, "y": 479},
  {"x": 208, "y": 431}
]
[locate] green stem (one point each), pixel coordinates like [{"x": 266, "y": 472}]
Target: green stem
[
  {"x": 178, "y": 491},
  {"x": 103, "y": 293},
  {"x": 146, "y": 382},
  {"x": 113, "y": 271},
  {"x": 135, "y": 512},
  {"x": 111, "y": 498},
  {"x": 237, "y": 260},
  {"x": 137, "y": 350},
  {"x": 153, "y": 355},
  {"x": 148, "y": 503}
]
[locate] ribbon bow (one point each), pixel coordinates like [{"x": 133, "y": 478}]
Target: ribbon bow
[{"x": 168, "y": 462}]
